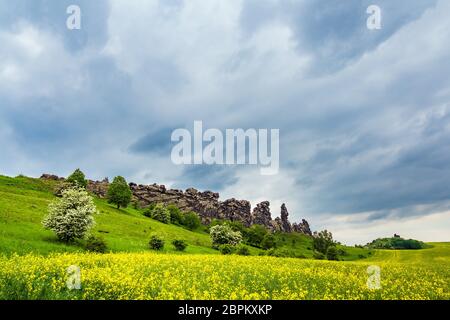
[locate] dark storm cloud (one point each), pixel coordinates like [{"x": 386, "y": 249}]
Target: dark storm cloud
[
  {"x": 158, "y": 141},
  {"x": 207, "y": 177}
]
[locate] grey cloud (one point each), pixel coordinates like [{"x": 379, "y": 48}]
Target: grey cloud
[{"x": 207, "y": 177}]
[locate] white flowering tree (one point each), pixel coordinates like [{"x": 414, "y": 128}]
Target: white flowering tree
[
  {"x": 71, "y": 216},
  {"x": 223, "y": 234}
]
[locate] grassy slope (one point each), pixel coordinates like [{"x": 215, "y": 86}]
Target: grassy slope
[
  {"x": 24, "y": 201},
  {"x": 23, "y": 204}
]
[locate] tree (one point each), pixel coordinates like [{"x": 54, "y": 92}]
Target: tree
[
  {"x": 160, "y": 213},
  {"x": 255, "y": 235},
  {"x": 268, "y": 242},
  {"x": 119, "y": 192},
  {"x": 191, "y": 220},
  {"x": 180, "y": 245},
  {"x": 77, "y": 179},
  {"x": 71, "y": 217},
  {"x": 322, "y": 241},
  {"x": 223, "y": 234},
  {"x": 176, "y": 216},
  {"x": 156, "y": 243},
  {"x": 332, "y": 253}
]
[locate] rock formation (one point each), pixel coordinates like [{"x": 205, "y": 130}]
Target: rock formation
[
  {"x": 285, "y": 224},
  {"x": 302, "y": 227},
  {"x": 206, "y": 204}
]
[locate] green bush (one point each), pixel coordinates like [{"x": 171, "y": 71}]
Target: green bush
[
  {"x": 254, "y": 235},
  {"x": 95, "y": 244},
  {"x": 322, "y": 241},
  {"x": 156, "y": 243},
  {"x": 191, "y": 220},
  {"x": 176, "y": 216},
  {"x": 119, "y": 192},
  {"x": 243, "y": 251},
  {"x": 160, "y": 213},
  {"x": 332, "y": 253},
  {"x": 149, "y": 209},
  {"x": 226, "y": 249},
  {"x": 223, "y": 234},
  {"x": 77, "y": 179},
  {"x": 180, "y": 245},
  {"x": 318, "y": 255},
  {"x": 268, "y": 242}
]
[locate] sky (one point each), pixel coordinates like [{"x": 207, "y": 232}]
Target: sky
[{"x": 364, "y": 115}]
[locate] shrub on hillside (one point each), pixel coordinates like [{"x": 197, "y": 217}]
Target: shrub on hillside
[
  {"x": 77, "y": 179},
  {"x": 71, "y": 217},
  {"x": 156, "y": 243},
  {"x": 176, "y": 216},
  {"x": 160, "y": 213},
  {"x": 268, "y": 242},
  {"x": 223, "y": 234},
  {"x": 322, "y": 241},
  {"x": 95, "y": 244},
  {"x": 149, "y": 209},
  {"x": 243, "y": 251},
  {"x": 180, "y": 245},
  {"x": 191, "y": 220},
  {"x": 255, "y": 234},
  {"x": 226, "y": 249},
  {"x": 332, "y": 253},
  {"x": 119, "y": 192},
  {"x": 318, "y": 255}
]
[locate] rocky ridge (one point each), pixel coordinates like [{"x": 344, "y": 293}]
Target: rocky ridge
[{"x": 206, "y": 204}]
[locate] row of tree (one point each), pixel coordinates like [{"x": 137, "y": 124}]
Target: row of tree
[{"x": 119, "y": 192}]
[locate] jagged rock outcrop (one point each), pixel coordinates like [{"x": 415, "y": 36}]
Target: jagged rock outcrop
[
  {"x": 206, "y": 204},
  {"x": 276, "y": 225},
  {"x": 236, "y": 210},
  {"x": 100, "y": 188},
  {"x": 47, "y": 176},
  {"x": 285, "y": 224},
  {"x": 261, "y": 214},
  {"x": 302, "y": 227}
]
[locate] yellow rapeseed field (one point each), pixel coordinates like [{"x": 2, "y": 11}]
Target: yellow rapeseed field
[{"x": 171, "y": 276}]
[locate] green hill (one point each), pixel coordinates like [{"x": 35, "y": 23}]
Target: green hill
[
  {"x": 23, "y": 204},
  {"x": 24, "y": 201}
]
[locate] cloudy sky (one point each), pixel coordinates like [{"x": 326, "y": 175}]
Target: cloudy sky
[{"x": 364, "y": 115}]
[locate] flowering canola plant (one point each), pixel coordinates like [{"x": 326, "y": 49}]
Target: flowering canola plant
[{"x": 172, "y": 276}]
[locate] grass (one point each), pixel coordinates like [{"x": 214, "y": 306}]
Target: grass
[{"x": 23, "y": 204}]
